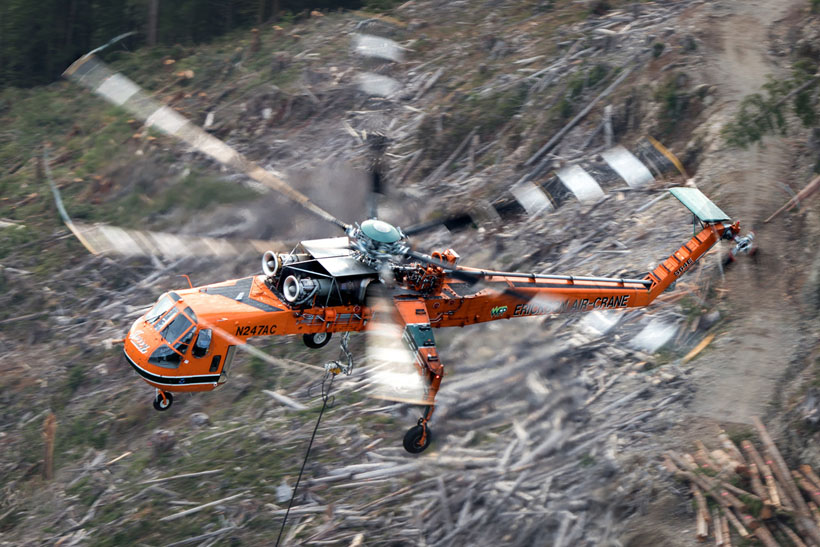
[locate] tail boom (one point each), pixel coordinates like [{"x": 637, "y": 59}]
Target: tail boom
[{"x": 684, "y": 258}]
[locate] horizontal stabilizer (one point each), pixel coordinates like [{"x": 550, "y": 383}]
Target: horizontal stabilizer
[{"x": 701, "y": 206}]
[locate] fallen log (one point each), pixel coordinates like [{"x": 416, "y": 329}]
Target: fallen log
[
  {"x": 702, "y": 517},
  {"x": 765, "y": 536},
  {"x": 810, "y": 474},
  {"x": 49, "y": 432},
  {"x": 755, "y": 457},
  {"x": 200, "y": 507},
  {"x": 697, "y": 349},
  {"x": 803, "y": 194},
  {"x": 717, "y": 527},
  {"x": 760, "y": 490},
  {"x": 183, "y": 476},
  {"x": 727, "y": 536},
  {"x": 815, "y": 511},
  {"x": 781, "y": 470},
  {"x": 806, "y": 486},
  {"x": 721, "y": 495},
  {"x": 793, "y": 537},
  {"x": 731, "y": 448},
  {"x": 550, "y": 144},
  {"x": 744, "y": 533}
]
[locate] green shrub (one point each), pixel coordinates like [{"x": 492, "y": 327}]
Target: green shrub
[
  {"x": 759, "y": 114},
  {"x": 657, "y": 49},
  {"x": 381, "y": 5},
  {"x": 674, "y": 101}
]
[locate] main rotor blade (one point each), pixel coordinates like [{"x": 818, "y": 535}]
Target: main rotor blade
[
  {"x": 391, "y": 366},
  {"x": 121, "y": 91},
  {"x": 376, "y": 189},
  {"x": 453, "y": 222},
  {"x": 107, "y": 240}
]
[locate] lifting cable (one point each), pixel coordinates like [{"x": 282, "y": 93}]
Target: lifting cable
[{"x": 326, "y": 387}]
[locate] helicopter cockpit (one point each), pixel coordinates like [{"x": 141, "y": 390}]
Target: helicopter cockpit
[
  {"x": 176, "y": 328},
  {"x": 186, "y": 354}
]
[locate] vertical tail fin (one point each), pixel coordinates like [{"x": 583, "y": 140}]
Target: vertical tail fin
[{"x": 716, "y": 225}]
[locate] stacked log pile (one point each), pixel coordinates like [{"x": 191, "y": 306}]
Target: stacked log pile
[{"x": 740, "y": 494}]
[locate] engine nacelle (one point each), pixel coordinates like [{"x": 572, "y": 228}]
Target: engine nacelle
[
  {"x": 272, "y": 262},
  {"x": 297, "y": 290}
]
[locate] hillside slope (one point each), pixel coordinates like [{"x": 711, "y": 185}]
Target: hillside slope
[{"x": 550, "y": 428}]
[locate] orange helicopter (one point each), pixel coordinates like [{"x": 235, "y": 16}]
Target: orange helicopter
[{"x": 187, "y": 340}]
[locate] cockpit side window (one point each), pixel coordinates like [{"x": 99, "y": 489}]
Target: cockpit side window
[
  {"x": 165, "y": 357},
  {"x": 182, "y": 345},
  {"x": 203, "y": 343}
]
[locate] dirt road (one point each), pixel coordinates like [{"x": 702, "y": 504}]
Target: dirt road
[{"x": 736, "y": 379}]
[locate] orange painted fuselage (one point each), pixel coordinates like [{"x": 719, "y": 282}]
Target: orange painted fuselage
[{"x": 186, "y": 342}]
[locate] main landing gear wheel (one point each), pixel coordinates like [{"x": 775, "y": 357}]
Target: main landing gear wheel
[
  {"x": 317, "y": 340},
  {"x": 413, "y": 439},
  {"x": 163, "y": 403}
]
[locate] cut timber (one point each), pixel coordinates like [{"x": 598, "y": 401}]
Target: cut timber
[
  {"x": 806, "y": 192},
  {"x": 725, "y": 462},
  {"x": 718, "y": 530},
  {"x": 183, "y": 476},
  {"x": 744, "y": 533},
  {"x": 200, "y": 507},
  {"x": 721, "y": 495},
  {"x": 697, "y": 349},
  {"x": 727, "y": 535},
  {"x": 815, "y": 511},
  {"x": 765, "y": 536},
  {"x": 771, "y": 486},
  {"x": 794, "y": 538},
  {"x": 703, "y": 458},
  {"x": 806, "y": 486},
  {"x": 702, "y": 527},
  {"x": 702, "y": 517},
  {"x": 810, "y": 474},
  {"x": 285, "y": 400},
  {"x": 49, "y": 431},
  {"x": 781, "y": 470},
  {"x": 760, "y": 490},
  {"x": 732, "y": 449}
]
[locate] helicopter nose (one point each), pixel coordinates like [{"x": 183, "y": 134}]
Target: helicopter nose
[{"x": 137, "y": 338}]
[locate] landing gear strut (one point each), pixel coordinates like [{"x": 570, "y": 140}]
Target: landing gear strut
[
  {"x": 163, "y": 400},
  {"x": 417, "y": 438}
]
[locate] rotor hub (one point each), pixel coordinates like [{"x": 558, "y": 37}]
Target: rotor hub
[
  {"x": 377, "y": 243},
  {"x": 380, "y": 231}
]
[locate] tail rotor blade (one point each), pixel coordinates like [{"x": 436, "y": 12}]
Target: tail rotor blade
[{"x": 121, "y": 91}]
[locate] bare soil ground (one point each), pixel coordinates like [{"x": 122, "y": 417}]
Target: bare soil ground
[
  {"x": 737, "y": 378},
  {"x": 763, "y": 342}
]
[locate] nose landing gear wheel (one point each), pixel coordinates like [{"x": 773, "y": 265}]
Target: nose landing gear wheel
[
  {"x": 413, "y": 442},
  {"x": 317, "y": 340},
  {"x": 163, "y": 403}
]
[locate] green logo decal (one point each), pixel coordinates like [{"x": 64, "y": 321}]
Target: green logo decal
[{"x": 498, "y": 311}]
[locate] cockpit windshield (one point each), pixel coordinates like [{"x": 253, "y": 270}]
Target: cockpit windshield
[
  {"x": 174, "y": 326},
  {"x": 163, "y": 305}
]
